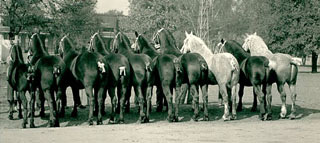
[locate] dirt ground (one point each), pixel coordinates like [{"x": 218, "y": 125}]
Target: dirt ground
[{"x": 247, "y": 128}]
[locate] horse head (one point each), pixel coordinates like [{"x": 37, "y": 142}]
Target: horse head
[
  {"x": 165, "y": 39},
  {"x": 220, "y": 46},
  {"x": 121, "y": 42},
  {"x": 97, "y": 44},
  {"x": 35, "y": 48},
  {"x": 65, "y": 45},
  {"x": 15, "y": 54},
  {"x": 254, "y": 42}
]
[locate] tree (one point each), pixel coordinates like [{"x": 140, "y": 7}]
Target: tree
[{"x": 23, "y": 15}]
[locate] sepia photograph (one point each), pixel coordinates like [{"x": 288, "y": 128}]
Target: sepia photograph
[{"x": 144, "y": 71}]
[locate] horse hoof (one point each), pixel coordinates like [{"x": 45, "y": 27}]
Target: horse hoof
[
  {"x": 99, "y": 122},
  {"x": 195, "y": 118},
  {"x": 262, "y": 116},
  {"x": 175, "y": 119},
  {"x": 226, "y": 118},
  {"x": 205, "y": 118},
  {"x": 121, "y": 121},
  {"x": 233, "y": 117},
  {"x": 10, "y": 117},
  {"x": 32, "y": 125},
  {"x": 90, "y": 122},
  {"x": 292, "y": 116},
  {"x": 170, "y": 119},
  {"x": 74, "y": 114},
  {"x": 24, "y": 125},
  {"x": 282, "y": 116},
  {"x": 269, "y": 117}
]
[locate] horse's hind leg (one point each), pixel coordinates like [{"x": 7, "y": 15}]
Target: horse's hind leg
[
  {"x": 258, "y": 91},
  {"x": 195, "y": 94},
  {"x": 123, "y": 91},
  {"x": 76, "y": 100},
  {"x": 20, "y": 103},
  {"x": 61, "y": 101},
  {"x": 25, "y": 108},
  {"x": 113, "y": 101},
  {"x": 283, "y": 99},
  {"x": 224, "y": 93},
  {"x": 166, "y": 91},
  {"x": 101, "y": 92},
  {"x": 234, "y": 94},
  {"x": 149, "y": 106},
  {"x": 32, "y": 104},
  {"x": 239, "y": 108},
  {"x": 255, "y": 103},
  {"x": 89, "y": 92},
  {"x": 138, "y": 93},
  {"x": 268, "y": 101},
  {"x": 293, "y": 98},
  {"x": 204, "y": 90},
  {"x": 52, "y": 107}
]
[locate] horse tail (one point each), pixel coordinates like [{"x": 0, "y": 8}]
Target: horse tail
[
  {"x": 294, "y": 72},
  {"x": 148, "y": 67},
  {"x": 122, "y": 71}
]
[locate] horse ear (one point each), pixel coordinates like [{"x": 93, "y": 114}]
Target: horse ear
[
  {"x": 186, "y": 33},
  {"x": 255, "y": 33},
  {"x": 136, "y": 33},
  {"x": 222, "y": 41},
  {"x": 191, "y": 33}
]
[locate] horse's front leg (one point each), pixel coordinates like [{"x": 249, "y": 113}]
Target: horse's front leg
[
  {"x": 32, "y": 104},
  {"x": 269, "y": 101},
  {"x": 258, "y": 91},
  {"x": 204, "y": 90},
  {"x": 113, "y": 100},
  {"x": 76, "y": 101},
  {"x": 283, "y": 97},
  {"x": 141, "y": 99},
  {"x": 10, "y": 98},
  {"x": 61, "y": 101}
]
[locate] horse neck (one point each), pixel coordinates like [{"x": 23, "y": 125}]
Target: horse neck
[
  {"x": 259, "y": 48},
  {"x": 124, "y": 50},
  {"x": 101, "y": 50},
  {"x": 236, "y": 50},
  {"x": 203, "y": 51},
  {"x": 18, "y": 55}
]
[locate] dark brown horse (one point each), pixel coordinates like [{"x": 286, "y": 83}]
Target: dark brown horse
[
  {"x": 254, "y": 71},
  {"x": 194, "y": 70},
  {"x": 141, "y": 77},
  {"x": 120, "y": 76},
  {"x": 167, "y": 72},
  {"x": 91, "y": 72},
  {"x": 20, "y": 78},
  {"x": 49, "y": 72}
]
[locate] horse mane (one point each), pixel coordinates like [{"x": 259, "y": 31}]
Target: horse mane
[
  {"x": 256, "y": 45},
  {"x": 42, "y": 48},
  {"x": 124, "y": 39},
  {"x": 170, "y": 38},
  {"x": 65, "y": 39},
  {"x": 94, "y": 37},
  {"x": 151, "y": 47}
]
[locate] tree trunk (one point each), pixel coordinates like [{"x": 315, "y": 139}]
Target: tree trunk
[{"x": 314, "y": 62}]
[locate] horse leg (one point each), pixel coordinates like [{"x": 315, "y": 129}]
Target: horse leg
[
  {"x": 220, "y": 99},
  {"x": 184, "y": 89},
  {"x": 114, "y": 101},
  {"x": 76, "y": 100},
  {"x": 195, "y": 95},
  {"x": 268, "y": 100},
  {"x": 177, "y": 102},
  {"x": 293, "y": 99},
  {"x": 39, "y": 97},
  {"x": 48, "y": 94},
  {"x": 61, "y": 101},
  {"x": 25, "y": 108},
  {"x": 166, "y": 91},
  {"x": 127, "y": 99},
  {"x": 258, "y": 91},
  {"x": 234, "y": 92},
  {"x": 32, "y": 104},
  {"x": 255, "y": 104},
  {"x": 89, "y": 92},
  {"x": 239, "y": 108},
  {"x": 283, "y": 99},
  {"x": 123, "y": 91},
  {"x": 11, "y": 101},
  {"x": 159, "y": 100},
  {"x": 96, "y": 105},
  {"x": 101, "y": 92},
  {"x": 19, "y": 102},
  {"x": 224, "y": 94},
  {"x": 204, "y": 90},
  {"x": 139, "y": 95},
  {"x": 189, "y": 96},
  {"x": 149, "y": 97}
]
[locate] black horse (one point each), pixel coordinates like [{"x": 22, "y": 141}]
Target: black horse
[
  {"x": 91, "y": 72},
  {"x": 49, "y": 72},
  {"x": 20, "y": 78},
  {"x": 120, "y": 76},
  {"x": 194, "y": 70},
  {"x": 141, "y": 76},
  {"x": 255, "y": 71},
  {"x": 168, "y": 72}
]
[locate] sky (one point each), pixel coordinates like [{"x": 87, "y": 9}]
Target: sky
[{"x": 106, "y": 5}]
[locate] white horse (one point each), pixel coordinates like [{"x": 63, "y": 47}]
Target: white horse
[
  {"x": 223, "y": 66},
  {"x": 286, "y": 70}
]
